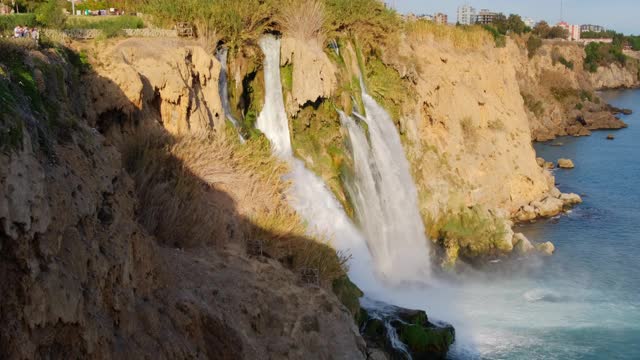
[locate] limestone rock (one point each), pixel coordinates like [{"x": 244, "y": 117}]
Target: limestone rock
[
  {"x": 566, "y": 164},
  {"x": 570, "y": 199},
  {"x": 549, "y": 207},
  {"x": 546, "y": 248},
  {"x": 610, "y": 137},
  {"x": 314, "y": 75},
  {"x": 540, "y": 161},
  {"x": 526, "y": 213},
  {"x": 549, "y": 165},
  {"x": 521, "y": 245}
]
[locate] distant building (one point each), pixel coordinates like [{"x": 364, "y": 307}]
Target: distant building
[
  {"x": 529, "y": 22},
  {"x": 592, "y": 28},
  {"x": 484, "y": 17},
  {"x": 466, "y": 14},
  {"x": 573, "y": 30},
  {"x": 441, "y": 18}
]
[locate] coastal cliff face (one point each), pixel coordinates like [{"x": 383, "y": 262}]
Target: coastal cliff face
[
  {"x": 87, "y": 268},
  {"x": 560, "y": 95}
]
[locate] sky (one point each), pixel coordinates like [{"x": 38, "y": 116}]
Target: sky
[{"x": 620, "y": 15}]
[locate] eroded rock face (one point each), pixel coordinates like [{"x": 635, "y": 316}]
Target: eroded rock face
[
  {"x": 313, "y": 76},
  {"x": 167, "y": 79},
  {"x": 560, "y": 100},
  {"x": 81, "y": 278},
  {"x": 469, "y": 135}
]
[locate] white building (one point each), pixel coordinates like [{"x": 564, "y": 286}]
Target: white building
[
  {"x": 573, "y": 30},
  {"x": 529, "y": 22},
  {"x": 466, "y": 14}
]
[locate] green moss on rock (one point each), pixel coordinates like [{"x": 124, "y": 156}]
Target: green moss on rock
[{"x": 349, "y": 294}]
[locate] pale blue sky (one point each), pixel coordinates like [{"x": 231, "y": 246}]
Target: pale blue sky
[{"x": 620, "y": 15}]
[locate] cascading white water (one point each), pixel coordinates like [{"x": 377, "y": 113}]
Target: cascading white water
[
  {"x": 385, "y": 197},
  {"x": 273, "y": 120},
  {"x": 223, "y": 90},
  {"x": 308, "y": 195}
]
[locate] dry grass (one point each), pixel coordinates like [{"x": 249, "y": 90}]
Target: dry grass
[
  {"x": 303, "y": 19},
  {"x": 203, "y": 191},
  {"x": 463, "y": 37}
]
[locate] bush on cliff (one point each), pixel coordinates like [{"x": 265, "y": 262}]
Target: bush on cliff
[
  {"x": 598, "y": 54},
  {"x": 51, "y": 14}
]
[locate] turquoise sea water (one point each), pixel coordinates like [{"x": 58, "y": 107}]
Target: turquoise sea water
[{"x": 583, "y": 302}]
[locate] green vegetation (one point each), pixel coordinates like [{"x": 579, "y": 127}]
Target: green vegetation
[
  {"x": 533, "y": 44},
  {"x": 386, "y": 86},
  {"x": 468, "y": 232},
  {"x": 111, "y": 26},
  {"x": 599, "y": 54},
  {"x": 9, "y": 22},
  {"x": 509, "y": 25},
  {"x": 544, "y": 31},
  {"x": 349, "y": 294},
  {"x": 51, "y": 15},
  {"x": 500, "y": 39},
  {"x": 464, "y": 37},
  {"x": 535, "y": 106}
]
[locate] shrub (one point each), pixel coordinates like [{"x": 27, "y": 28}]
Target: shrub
[
  {"x": 598, "y": 54},
  {"x": 533, "y": 44},
  {"x": 535, "y": 106},
  {"x": 464, "y": 37},
  {"x": 9, "y": 22},
  {"x": 500, "y": 39},
  {"x": 198, "y": 191},
  {"x": 50, "y": 14},
  {"x": 110, "y": 26},
  {"x": 568, "y": 64},
  {"x": 303, "y": 19}
]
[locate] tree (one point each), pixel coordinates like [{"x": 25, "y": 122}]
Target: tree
[
  {"x": 558, "y": 32},
  {"x": 542, "y": 29},
  {"x": 515, "y": 24},
  {"x": 51, "y": 14}
]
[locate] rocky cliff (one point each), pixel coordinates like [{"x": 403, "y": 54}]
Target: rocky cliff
[
  {"x": 92, "y": 259},
  {"x": 560, "y": 95}
]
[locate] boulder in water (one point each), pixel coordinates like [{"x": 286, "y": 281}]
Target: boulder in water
[
  {"x": 610, "y": 137},
  {"x": 401, "y": 332},
  {"x": 546, "y": 248},
  {"x": 521, "y": 245},
  {"x": 540, "y": 161},
  {"x": 549, "y": 207},
  {"x": 565, "y": 164},
  {"x": 526, "y": 213},
  {"x": 570, "y": 199},
  {"x": 549, "y": 165}
]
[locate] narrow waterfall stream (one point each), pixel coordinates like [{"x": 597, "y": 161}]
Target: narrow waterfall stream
[{"x": 223, "y": 89}]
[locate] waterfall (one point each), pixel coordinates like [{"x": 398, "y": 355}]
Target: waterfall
[
  {"x": 385, "y": 197},
  {"x": 273, "y": 120},
  {"x": 308, "y": 195},
  {"x": 223, "y": 89}
]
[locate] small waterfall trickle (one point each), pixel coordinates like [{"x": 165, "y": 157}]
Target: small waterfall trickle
[{"x": 223, "y": 89}]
